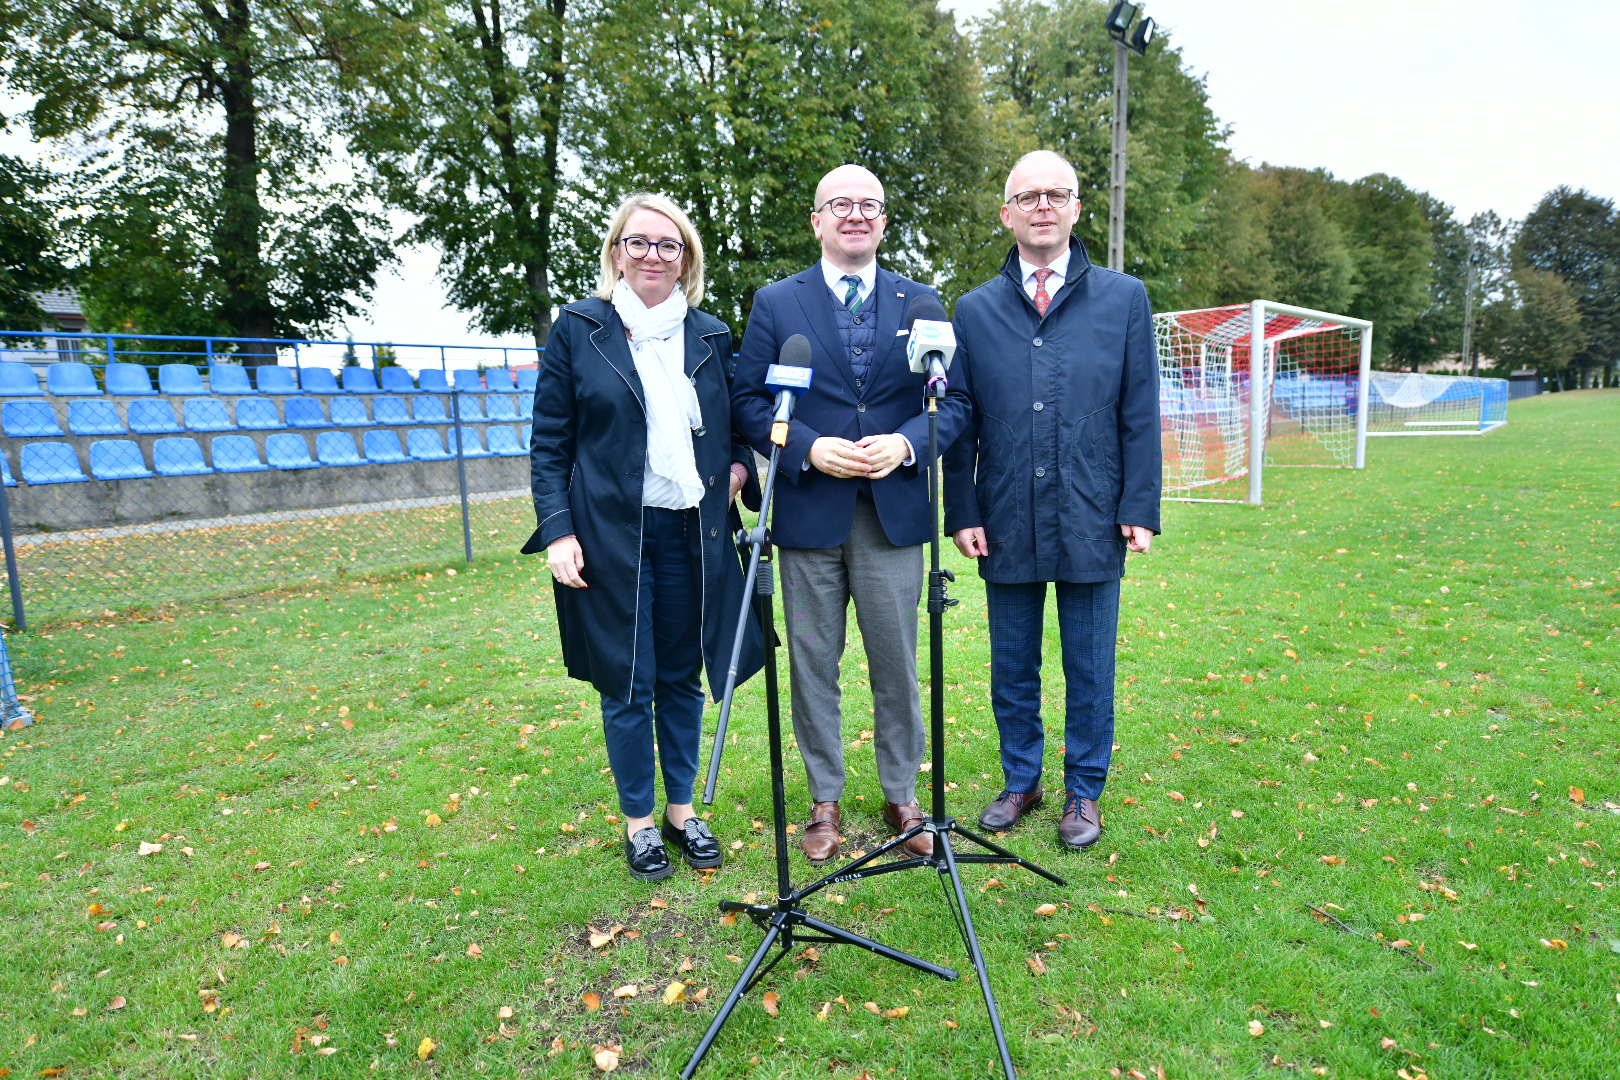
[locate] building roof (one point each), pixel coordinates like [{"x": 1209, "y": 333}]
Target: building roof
[{"x": 60, "y": 302}]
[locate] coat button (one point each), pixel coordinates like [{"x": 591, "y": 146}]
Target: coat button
[
  {"x": 857, "y": 320},
  {"x": 861, "y": 407},
  {"x": 1040, "y": 472},
  {"x": 713, "y": 533},
  {"x": 1039, "y": 406},
  {"x": 699, "y": 432},
  {"x": 857, "y": 350},
  {"x": 1037, "y": 343},
  {"x": 711, "y": 481}
]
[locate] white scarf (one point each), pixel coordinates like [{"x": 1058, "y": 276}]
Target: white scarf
[{"x": 659, "y": 349}]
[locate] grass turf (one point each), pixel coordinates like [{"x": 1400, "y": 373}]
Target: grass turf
[{"x": 1390, "y": 695}]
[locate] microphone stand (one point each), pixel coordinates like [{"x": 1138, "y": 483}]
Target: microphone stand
[{"x": 782, "y": 920}]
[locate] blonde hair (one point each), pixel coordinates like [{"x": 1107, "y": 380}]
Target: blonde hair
[{"x": 692, "y": 269}]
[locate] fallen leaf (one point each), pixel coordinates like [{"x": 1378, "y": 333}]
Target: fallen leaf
[
  {"x": 1178, "y": 796},
  {"x": 823, "y": 1012},
  {"x": 1387, "y": 1043},
  {"x": 103, "y": 927},
  {"x": 341, "y": 961},
  {"x": 1037, "y": 966},
  {"x": 771, "y": 1002},
  {"x": 1046, "y": 909},
  {"x": 150, "y": 849},
  {"x": 628, "y": 990},
  {"x": 593, "y": 1001},
  {"x": 1576, "y": 795},
  {"x": 657, "y": 903},
  {"x": 261, "y": 866},
  {"x": 504, "y": 1012},
  {"x": 675, "y": 992},
  {"x": 992, "y": 883},
  {"x": 116, "y": 1003},
  {"x": 326, "y": 1050},
  {"x": 1256, "y": 1028},
  {"x": 1555, "y": 943},
  {"x": 424, "y": 1049},
  {"x": 952, "y": 1024},
  {"x": 1332, "y": 860},
  {"x": 230, "y": 941},
  {"x": 474, "y": 950},
  {"x": 433, "y": 820},
  {"x": 1401, "y": 943},
  {"x": 896, "y": 1013},
  {"x": 606, "y": 1059},
  {"x": 1470, "y": 946},
  {"x": 872, "y": 1007}
]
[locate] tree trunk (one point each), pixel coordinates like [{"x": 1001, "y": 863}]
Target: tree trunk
[{"x": 246, "y": 306}]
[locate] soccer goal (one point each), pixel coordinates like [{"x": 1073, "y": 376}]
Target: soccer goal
[
  {"x": 1219, "y": 435},
  {"x": 1402, "y": 404}
]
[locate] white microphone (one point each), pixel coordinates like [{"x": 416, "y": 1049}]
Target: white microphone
[
  {"x": 789, "y": 378},
  {"x": 932, "y": 342}
]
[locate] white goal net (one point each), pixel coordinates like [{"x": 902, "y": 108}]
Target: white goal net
[
  {"x": 1416, "y": 404},
  {"x": 1312, "y": 383}
]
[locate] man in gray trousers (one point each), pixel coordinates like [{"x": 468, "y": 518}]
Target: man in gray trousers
[{"x": 852, "y": 516}]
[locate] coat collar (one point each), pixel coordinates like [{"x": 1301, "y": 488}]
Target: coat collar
[
  {"x": 611, "y": 344},
  {"x": 1079, "y": 267},
  {"x": 892, "y": 291}
]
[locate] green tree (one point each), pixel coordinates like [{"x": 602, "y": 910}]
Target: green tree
[
  {"x": 1311, "y": 255},
  {"x": 1053, "y": 62},
  {"x": 29, "y": 260},
  {"x": 468, "y": 135},
  {"x": 1392, "y": 247},
  {"x": 1576, "y": 235},
  {"x": 203, "y": 122},
  {"x": 1537, "y": 323}
]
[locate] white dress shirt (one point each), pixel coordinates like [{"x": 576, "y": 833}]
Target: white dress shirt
[
  {"x": 835, "y": 280},
  {"x": 1059, "y": 268}
]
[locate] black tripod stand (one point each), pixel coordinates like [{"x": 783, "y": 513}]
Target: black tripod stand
[{"x": 785, "y": 921}]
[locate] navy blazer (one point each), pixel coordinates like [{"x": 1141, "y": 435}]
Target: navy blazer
[
  {"x": 814, "y": 510},
  {"x": 1064, "y": 445}
]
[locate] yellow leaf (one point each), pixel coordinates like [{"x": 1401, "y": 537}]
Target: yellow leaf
[
  {"x": 1046, "y": 909},
  {"x": 771, "y": 1002},
  {"x": 593, "y": 1001},
  {"x": 433, "y": 820},
  {"x": 824, "y": 1011},
  {"x": 1037, "y": 966},
  {"x": 334, "y": 938},
  {"x": 341, "y": 961},
  {"x": 1555, "y": 943},
  {"x": 1576, "y": 795},
  {"x": 674, "y": 992},
  {"x": 896, "y": 1013},
  {"x": 607, "y": 1059},
  {"x": 629, "y": 990},
  {"x": 1256, "y": 1028},
  {"x": 424, "y": 1049}
]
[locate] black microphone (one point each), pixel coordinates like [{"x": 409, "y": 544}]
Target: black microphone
[
  {"x": 789, "y": 377},
  {"x": 932, "y": 341}
]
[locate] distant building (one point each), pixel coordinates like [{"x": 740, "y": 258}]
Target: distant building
[{"x": 64, "y": 313}]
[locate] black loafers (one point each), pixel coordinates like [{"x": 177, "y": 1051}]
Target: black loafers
[
  {"x": 695, "y": 842},
  {"x": 644, "y": 853}
]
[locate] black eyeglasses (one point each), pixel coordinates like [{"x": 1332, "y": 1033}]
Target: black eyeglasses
[
  {"x": 842, "y": 208},
  {"x": 1057, "y": 199},
  {"x": 637, "y": 247}
]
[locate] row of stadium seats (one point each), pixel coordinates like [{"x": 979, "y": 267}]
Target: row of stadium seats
[
  {"x": 36, "y": 419},
  {"x": 73, "y": 379},
  {"x": 121, "y": 459}
]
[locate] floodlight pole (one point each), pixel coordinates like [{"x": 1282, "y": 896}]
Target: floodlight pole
[
  {"x": 1116, "y": 186},
  {"x": 1468, "y": 316}
]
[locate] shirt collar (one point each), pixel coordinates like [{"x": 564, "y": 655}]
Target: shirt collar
[
  {"x": 834, "y": 277},
  {"x": 1059, "y": 267}
]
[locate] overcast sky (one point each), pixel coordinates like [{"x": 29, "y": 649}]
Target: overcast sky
[{"x": 1484, "y": 104}]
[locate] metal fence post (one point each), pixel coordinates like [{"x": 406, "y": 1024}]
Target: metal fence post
[
  {"x": 461, "y": 463},
  {"x": 11, "y": 561}
]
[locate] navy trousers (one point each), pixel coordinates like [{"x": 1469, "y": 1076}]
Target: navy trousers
[
  {"x": 1088, "y": 621},
  {"x": 666, "y": 689}
]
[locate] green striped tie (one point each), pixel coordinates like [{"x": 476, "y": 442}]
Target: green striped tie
[{"x": 852, "y": 298}]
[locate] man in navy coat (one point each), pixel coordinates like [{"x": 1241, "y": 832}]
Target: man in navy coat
[
  {"x": 1055, "y": 478},
  {"x": 852, "y": 517}
]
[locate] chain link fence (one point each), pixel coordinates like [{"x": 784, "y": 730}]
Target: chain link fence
[{"x": 146, "y": 472}]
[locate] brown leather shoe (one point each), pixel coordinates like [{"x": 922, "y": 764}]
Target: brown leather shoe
[
  {"x": 903, "y": 818},
  {"x": 820, "y": 840},
  {"x": 1081, "y": 823},
  {"x": 1008, "y": 807}
]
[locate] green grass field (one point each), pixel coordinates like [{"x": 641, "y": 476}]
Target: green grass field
[{"x": 1391, "y": 695}]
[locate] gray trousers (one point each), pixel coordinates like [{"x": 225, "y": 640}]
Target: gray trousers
[{"x": 886, "y": 583}]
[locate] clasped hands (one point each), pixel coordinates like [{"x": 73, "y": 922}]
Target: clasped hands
[{"x": 874, "y": 457}]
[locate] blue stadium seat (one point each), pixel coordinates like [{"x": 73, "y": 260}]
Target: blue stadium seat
[
  {"x": 396, "y": 380},
  {"x": 257, "y": 414},
  {"x": 424, "y": 444},
  {"x": 94, "y": 418},
  {"x": 231, "y": 379},
  {"x": 129, "y": 379},
  {"x": 382, "y": 447},
  {"x": 468, "y": 381},
  {"x": 359, "y": 380},
  {"x": 181, "y": 457},
  {"x": 71, "y": 379},
  {"x": 288, "y": 451},
  {"x": 51, "y": 463},
  {"x": 236, "y": 454},
  {"x": 526, "y": 436},
  {"x": 318, "y": 380},
  {"x": 337, "y": 448},
  {"x": 207, "y": 414},
  {"x": 503, "y": 442},
  {"x": 502, "y": 407},
  {"x": 432, "y": 381},
  {"x": 5, "y": 471},
  {"x": 18, "y": 380},
  {"x": 273, "y": 379},
  {"x": 472, "y": 408},
  {"x": 153, "y": 418},
  {"x": 350, "y": 412},
  {"x": 177, "y": 380},
  {"x": 305, "y": 412},
  {"x": 527, "y": 380},
  {"x": 390, "y": 409},
  {"x": 24, "y": 418},
  {"x": 117, "y": 459},
  {"x": 499, "y": 381},
  {"x": 430, "y": 410},
  {"x": 471, "y": 448}
]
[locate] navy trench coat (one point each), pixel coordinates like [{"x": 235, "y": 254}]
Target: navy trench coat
[
  {"x": 1064, "y": 444},
  {"x": 588, "y": 456}
]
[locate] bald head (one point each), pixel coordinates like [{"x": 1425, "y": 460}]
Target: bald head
[
  {"x": 847, "y": 179},
  {"x": 848, "y": 242},
  {"x": 1046, "y": 163}
]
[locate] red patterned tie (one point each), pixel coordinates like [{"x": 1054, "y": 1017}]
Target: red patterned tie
[{"x": 1042, "y": 301}]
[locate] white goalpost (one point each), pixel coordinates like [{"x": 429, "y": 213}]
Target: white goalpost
[
  {"x": 1417, "y": 404},
  {"x": 1222, "y": 427}
]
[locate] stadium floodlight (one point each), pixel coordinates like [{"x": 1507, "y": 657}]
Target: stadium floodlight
[
  {"x": 1143, "y": 37},
  {"x": 1120, "y": 19},
  {"x": 1118, "y": 25}
]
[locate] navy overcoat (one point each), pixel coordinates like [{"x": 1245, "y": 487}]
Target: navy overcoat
[
  {"x": 1064, "y": 444},
  {"x": 588, "y": 456},
  {"x": 814, "y": 510}
]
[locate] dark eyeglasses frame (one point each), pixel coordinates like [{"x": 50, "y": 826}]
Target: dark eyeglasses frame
[
  {"x": 658, "y": 246},
  {"x": 1028, "y": 201},
  {"x": 831, "y": 206}
]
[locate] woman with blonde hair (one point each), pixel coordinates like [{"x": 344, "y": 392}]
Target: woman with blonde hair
[{"x": 635, "y": 470}]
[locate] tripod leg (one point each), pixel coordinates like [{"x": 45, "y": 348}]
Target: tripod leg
[
  {"x": 846, "y": 937},
  {"x": 1009, "y": 856},
  {"x": 965, "y": 920},
  {"x": 743, "y": 982}
]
